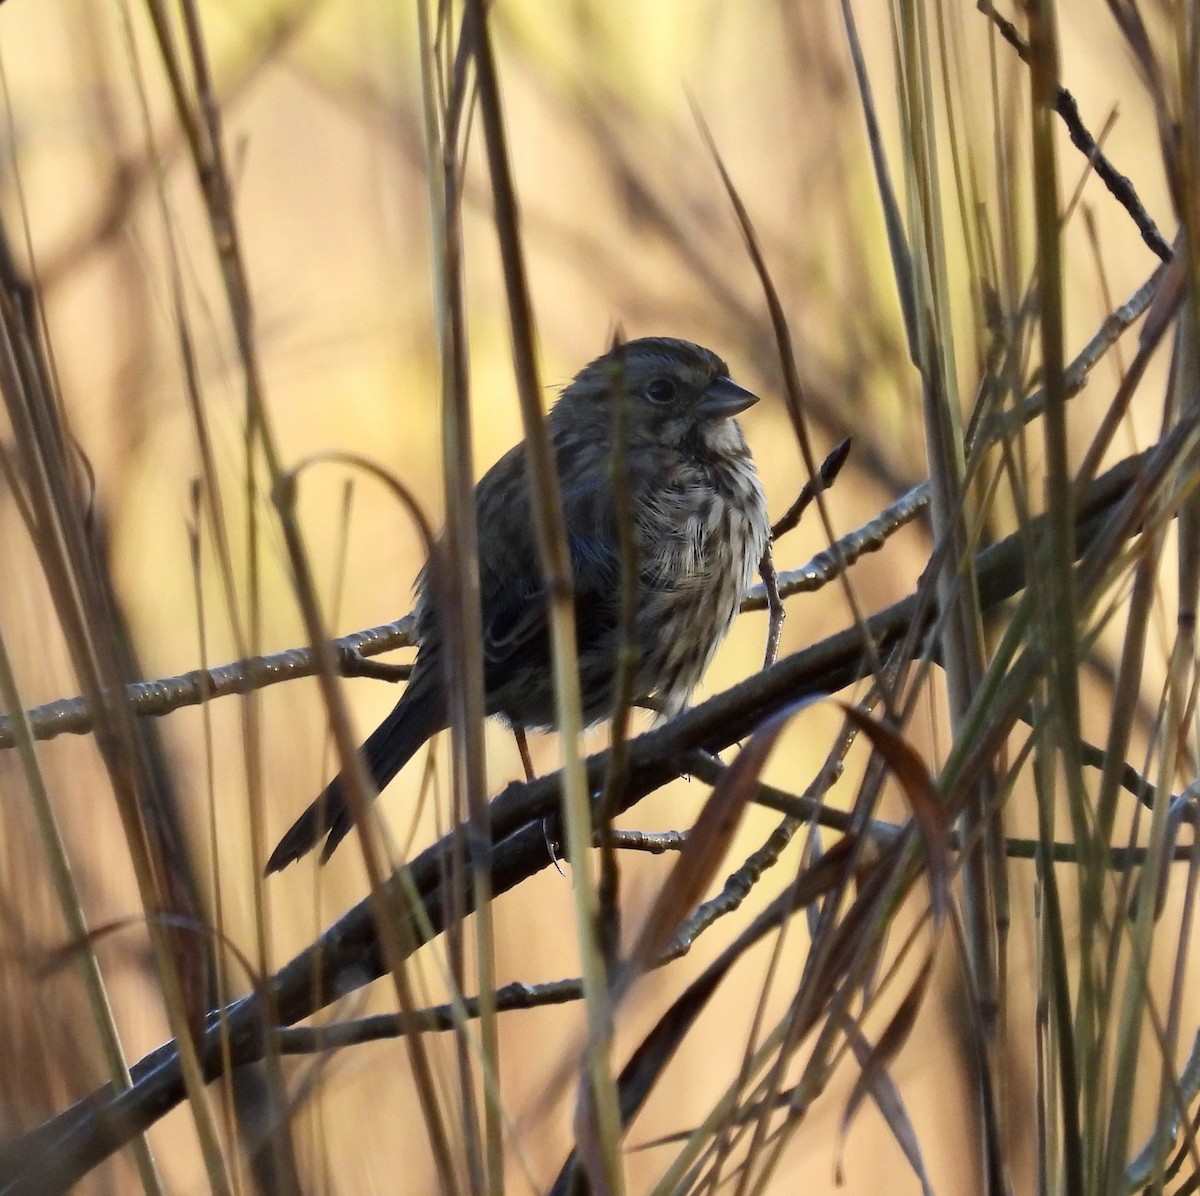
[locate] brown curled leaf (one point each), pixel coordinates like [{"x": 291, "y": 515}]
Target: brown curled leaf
[
  {"x": 928, "y": 809},
  {"x": 706, "y": 846},
  {"x": 875, "y": 1081}
]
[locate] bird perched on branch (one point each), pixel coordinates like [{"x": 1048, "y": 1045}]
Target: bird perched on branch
[{"x": 700, "y": 527}]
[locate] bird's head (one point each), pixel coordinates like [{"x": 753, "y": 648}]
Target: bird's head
[{"x": 677, "y": 393}]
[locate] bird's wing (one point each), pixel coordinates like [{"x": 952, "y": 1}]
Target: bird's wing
[{"x": 512, "y": 586}]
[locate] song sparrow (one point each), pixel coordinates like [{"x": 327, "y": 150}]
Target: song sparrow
[{"x": 699, "y": 523}]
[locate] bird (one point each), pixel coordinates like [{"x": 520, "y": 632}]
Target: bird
[{"x": 700, "y": 528}]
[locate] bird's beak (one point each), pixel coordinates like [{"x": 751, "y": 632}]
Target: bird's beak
[{"x": 724, "y": 398}]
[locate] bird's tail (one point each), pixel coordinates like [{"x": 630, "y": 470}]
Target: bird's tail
[{"x": 418, "y": 715}]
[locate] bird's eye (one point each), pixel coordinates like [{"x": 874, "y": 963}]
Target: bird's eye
[{"x": 661, "y": 390}]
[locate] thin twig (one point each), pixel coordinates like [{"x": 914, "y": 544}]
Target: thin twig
[
  {"x": 830, "y": 468},
  {"x": 72, "y": 716},
  {"x": 770, "y": 583},
  {"x": 1119, "y": 186}
]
